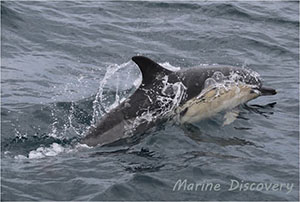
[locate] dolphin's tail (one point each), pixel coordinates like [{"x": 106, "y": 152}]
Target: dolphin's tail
[{"x": 267, "y": 91}]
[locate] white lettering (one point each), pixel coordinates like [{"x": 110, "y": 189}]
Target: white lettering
[
  {"x": 275, "y": 187},
  {"x": 289, "y": 188},
  {"x": 232, "y": 183},
  {"x": 190, "y": 187},
  {"x": 180, "y": 183},
  {"x": 217, "y": 187},
  {"x": 252, "y": 187},
  {"x": 260, "y": 187},
  {"x": 268, "y": 186}
]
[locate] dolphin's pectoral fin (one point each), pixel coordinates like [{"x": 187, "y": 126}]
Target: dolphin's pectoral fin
[
  {"x": 192, "y": 132},
  {"x": 230, "y": 116},
  {"x": 195, "y": 134},
  {"x": 149, "y": 69}
]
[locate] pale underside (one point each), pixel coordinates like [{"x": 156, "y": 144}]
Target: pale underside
[{"x": 215, "y": 100}]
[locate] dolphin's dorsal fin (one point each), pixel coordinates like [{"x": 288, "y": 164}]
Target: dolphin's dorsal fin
[{"x": 149, "y": 68}]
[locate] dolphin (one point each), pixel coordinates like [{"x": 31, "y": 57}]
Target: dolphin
[{"x": 186, "y": 96}]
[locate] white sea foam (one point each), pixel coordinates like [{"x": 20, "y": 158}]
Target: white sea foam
[
  {"x": 53, "y": 150},
  {"x": 42, "y": 152}
]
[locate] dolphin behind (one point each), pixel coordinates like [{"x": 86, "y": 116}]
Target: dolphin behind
[{"x": 188, "y": 95}]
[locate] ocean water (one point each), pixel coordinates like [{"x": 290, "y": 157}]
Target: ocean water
[{"x": 64, "y": 64}]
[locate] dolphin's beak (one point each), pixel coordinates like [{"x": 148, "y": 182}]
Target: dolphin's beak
[{"x": 267, "y": 91}]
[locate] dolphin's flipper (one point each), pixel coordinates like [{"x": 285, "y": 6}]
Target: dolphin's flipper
[
  {"x": 150, "y": 69},
  {"x": 231, "y": 116}
]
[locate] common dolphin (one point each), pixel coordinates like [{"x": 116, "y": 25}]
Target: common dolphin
[{"x": 187, "y": 96}]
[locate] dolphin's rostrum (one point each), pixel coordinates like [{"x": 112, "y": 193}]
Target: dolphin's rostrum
[{"x": 188, "y": 95}]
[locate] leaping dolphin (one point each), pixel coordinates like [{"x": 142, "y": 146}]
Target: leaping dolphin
[{"x": 187, "y": 96}]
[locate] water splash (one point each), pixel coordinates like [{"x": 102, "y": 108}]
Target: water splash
[
  {"x": 65, "y": 118},
  {"x": 169, "y": 99},
  {"x": 102, "y": 102},
  {"x": 222, "y": 83},
  {"x": 101, "y": 105},
  {"x": 53, "y": 150},
  {"x": 170, "y": 67}
]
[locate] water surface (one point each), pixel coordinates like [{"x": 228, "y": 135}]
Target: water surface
[{"x": 58, "y": 59}]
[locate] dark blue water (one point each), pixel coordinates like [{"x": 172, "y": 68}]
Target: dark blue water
[{"x": 57, "y": 78}]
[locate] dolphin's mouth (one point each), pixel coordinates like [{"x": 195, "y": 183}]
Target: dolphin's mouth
[{"x": 267, "y": 91}]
